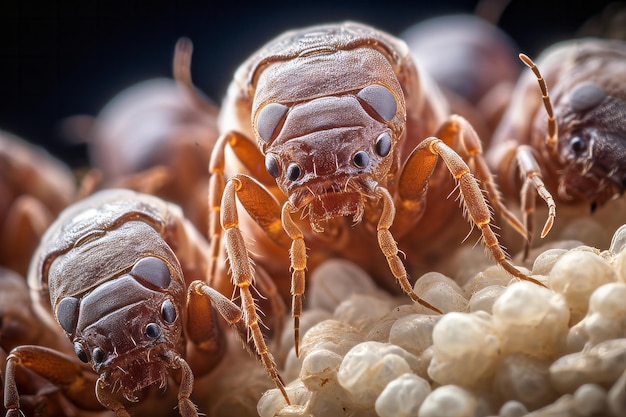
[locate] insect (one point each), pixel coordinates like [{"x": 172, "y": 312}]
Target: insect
[
  {"x": 334, "y": 122},
  {"x": 155, "y": 137},
  {"x": 469, "y": 56},
  {"x": 578, "y": 146},
  {"x": 115, "y": 271},
  {"x": 35, "y": 187}
]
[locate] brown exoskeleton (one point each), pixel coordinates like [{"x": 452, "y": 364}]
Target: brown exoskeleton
[
  {"x": 114, "y": 271},
  {"x": 334, "y": 122},
  {"x": 578, "y": 149},
  {"x": 34, "y": 188}
]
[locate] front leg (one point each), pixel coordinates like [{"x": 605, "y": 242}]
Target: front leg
[
  {"x": 75, "y": 382},
  {"x": 251, "y": 194},
  {"x": 472, "y": 195}
]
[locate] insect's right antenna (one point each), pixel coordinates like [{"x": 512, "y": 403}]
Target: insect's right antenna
[
  {"x": 182, "y": 74},
  {"x": 552, "y": 126}
]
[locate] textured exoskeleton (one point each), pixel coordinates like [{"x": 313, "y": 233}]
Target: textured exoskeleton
[
  {"x": 116, "y": 272},
  {"x": 330, "y": 141},
  {"x": 574, "y": 154}
]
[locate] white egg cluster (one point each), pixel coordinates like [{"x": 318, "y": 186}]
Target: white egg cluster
[{"x": 504, "y": 347}]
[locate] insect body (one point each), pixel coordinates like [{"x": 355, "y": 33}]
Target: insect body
[
  {"x": 347, "y": 134},
  {"x": 585, "y": 164},
  {"x": 34, "y": 187},
  {"x": 109, "y": 271}
]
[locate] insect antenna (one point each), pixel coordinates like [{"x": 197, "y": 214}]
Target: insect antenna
[{"x": 547, "y": 104}]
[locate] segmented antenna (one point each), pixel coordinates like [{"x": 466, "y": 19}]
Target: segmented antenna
[{"x": 547, "y": 104}]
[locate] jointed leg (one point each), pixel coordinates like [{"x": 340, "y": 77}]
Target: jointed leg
[
  {"x": 242, "y": 274},
  {"x": 473, "y": 199},
  {"x": 390, "y": 249},
  {"x": 459, "y": 133},
  {"x": 298, "y": 266}
]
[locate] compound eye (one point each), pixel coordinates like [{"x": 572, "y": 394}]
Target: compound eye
[
  {"x": 293, "y": 171},
  {"x": 269, "y": 118},
  {"x": 153, "y": 271},
  {"x": 152, "y": 330},
  {"x": 98, "y": 355},
  {"x": 586, "y": 96},
  {"x": 168, "y": 311},
  {"x": 67, "y": 310},
  {"x": 271, "y": 165},
  {"x": 380, "y": 99},
  {"x": 361, "y": 159},
  {"x": 383, "y": 144},
  {"x": 80, "y": 352}
]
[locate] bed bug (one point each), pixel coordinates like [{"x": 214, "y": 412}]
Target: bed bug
[
  {"x": 35, "y": 186},
  {"x": 116, "y": 271},
  {"x": 574, "y": 151},
  {"x": 335, "y": 122}
]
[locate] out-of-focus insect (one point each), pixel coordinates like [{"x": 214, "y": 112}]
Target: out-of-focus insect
[
  {"x": 155, "y": 137},
  {"x": 115, "y": 270},
  {"x": 348, "y": 134},
  {"x": 585, "y": 163},
  {"x": 471, "y": 57},
  {"x": 34, "y": 188}
]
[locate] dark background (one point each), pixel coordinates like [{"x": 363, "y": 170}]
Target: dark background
[{"x": 61, "y": 58}]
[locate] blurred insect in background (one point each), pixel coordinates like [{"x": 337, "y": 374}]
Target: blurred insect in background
[
  {"x": 35, "y": 186},
  {"x": 575, "y": 152}
]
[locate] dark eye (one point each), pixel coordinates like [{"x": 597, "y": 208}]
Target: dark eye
[
  {"x": 98, "y": 355},
  {"x": 80, "y": 352},
  {"x": 271, "y": 165},
  {"x": 153, "y": 331},
  {"x": 383, "y": 144},
  {"x": 361, "y": 159},
  {"x": 293, "y": 171},
  {"x": 168, "y": 311},
  {"x": 577, "y": 145}
]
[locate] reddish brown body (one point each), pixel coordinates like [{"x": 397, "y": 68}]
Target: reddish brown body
[
  {"x": 585, "y": 163},
  {"x": 35, "y": 187},
  {"x": 116, "y": 272},
  {"x": 334, "y": 126}
]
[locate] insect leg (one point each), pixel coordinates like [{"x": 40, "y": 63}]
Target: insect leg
[
  {"x": 473, "y": 199},
  {"x": 240, "y": 263},
  {"x": 57, "y": 368},
  {"x": 458, "y": 133},
  {"x": 531, "y": 174},
  {"x": 297, "y": 254},
  {"x": 390, "y": 248},
  {"x": 248, "y": 154}
]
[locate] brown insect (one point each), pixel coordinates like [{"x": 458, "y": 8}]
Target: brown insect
[
  {"x": 155, "y": 137},
  {"x": 35, "y": 186},
  {"x": 334, "y": 122},
  {"x": 585, "y": 163},
  {"x": 469, "y": 56},
  {"x": 115, "y": 271}
]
